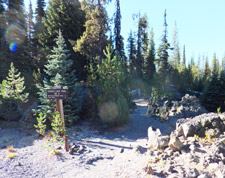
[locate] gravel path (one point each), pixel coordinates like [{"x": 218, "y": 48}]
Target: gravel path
[{"x": 111, "y": 154}]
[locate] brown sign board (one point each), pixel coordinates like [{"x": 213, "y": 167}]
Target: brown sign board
[{"x": 59, "y": 94}]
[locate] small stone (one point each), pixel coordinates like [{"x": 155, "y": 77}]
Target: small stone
[
  {"x": 176, "y": 153},
  {"x": 174, "y": 143},
  {"x": 122, "y": 150},
  {"x": 192, "y": 148},
  {"x": 213, "y": 166},
  {"x": 163, "y": 142},
  {"x": 168, "y": 168},
  {"x": 148, "y": 169},
  {"x": 220, "y": 174},
  {"x": 193, "y": 173},
  {"x": 204, "y": 176}
]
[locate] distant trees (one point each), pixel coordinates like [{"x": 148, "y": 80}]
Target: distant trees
[
  {"x": 131, "y": 47},
  {"x": 150, "y": 68},
  {"x": 163, "y": 57},
  {"x": 142, "y": 44}
]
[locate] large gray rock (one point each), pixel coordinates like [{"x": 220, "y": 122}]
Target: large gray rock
[
  {"x": 210, "y": 123},
  {"x": 189, "y": 106},
  {"x": 156, "y": 140}
]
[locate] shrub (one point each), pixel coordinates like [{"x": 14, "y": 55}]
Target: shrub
[
  {"x": 41, "y": 126},
  {"x": 113, "y": 94}
]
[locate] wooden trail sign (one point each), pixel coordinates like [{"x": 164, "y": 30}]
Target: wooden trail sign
[{"x": 59, "y": 94}]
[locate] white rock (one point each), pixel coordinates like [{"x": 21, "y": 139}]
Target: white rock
[{"x": 174, "y": 143}]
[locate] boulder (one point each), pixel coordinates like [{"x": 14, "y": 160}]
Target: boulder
[
  {"x": 156, "y": 140},
  {"x": 188, "y": 106},
  {"x": 201, "y": 125},
  {"x": 175, "y": 144}
]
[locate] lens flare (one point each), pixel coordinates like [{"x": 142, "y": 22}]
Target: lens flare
[
  {"x": 15, "y": 33},
  {"x": 108, "y": 112},
  {"x": 13, "y": 47}
]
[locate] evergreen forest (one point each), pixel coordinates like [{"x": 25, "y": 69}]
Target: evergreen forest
[{"x": 76, "y": 45}]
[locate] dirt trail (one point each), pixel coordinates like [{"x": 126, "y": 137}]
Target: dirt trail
[{"x": 111, "y": 154}]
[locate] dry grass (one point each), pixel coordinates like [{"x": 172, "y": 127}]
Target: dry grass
[
  {"x": 11, "y": 155},
  {"x": 55, "y": 152},
  {"x": 10, "y": 148}
]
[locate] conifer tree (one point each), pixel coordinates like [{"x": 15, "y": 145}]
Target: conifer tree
[
  {"x": 40, "y": 12},
  {"x": 58, "y": 73},
  {"x": 176, "y": 49},
  {"x": 150, "y": 59},
  {"x": 131, "y": 47},
  {"x": 2, "y": 10},
  {"x": 117, "y": 30},
  {"x": 38, "y": 26},
  {"x": 142, "y": 44},
  {"x": 12, "y": 91},
  {"x": 206, "y": 72},
  {"x": 184, "y": 58},
  {"x": 30, "y": 27},
  {"x": 163, "y": 55},
  {"x": 215, "y": 65},
  {"x": 94, "y": 39},
  {"x": 112, "y": 81},
  {"x": 67, "y": 16}
]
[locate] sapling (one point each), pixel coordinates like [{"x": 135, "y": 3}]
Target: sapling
[
  {"x": 58, "y": 124},
  {"x": 41, "y": 126}
]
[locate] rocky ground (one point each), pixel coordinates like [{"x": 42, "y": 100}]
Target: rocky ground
[{"x": 124, "y": 152}]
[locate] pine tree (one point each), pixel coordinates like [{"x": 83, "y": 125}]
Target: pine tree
[
  {"x": 38, "y": 26},
  {"x": 163, "y": 65},
  {"x": 2, "y": 11},
  {"x": 176, "y": 49},
  {"x": 12, "y": 91},
  {"x": 142, "y": 44},
  {"x": 40, "y": 12},
  {"x": 184, "y": 58},
  {"x": 94, "y": 40},
  {"x": 206, "y": 72},
  {"x": 67, "y": 16},
  {"x": 131, "y": 47},
  {"x": 223, "y": 64},
  {"x": 215, "y": 66},
  {"x": 111, "y": 78},
  {"x": 30, "y": 27},
  {"x": 150, "y": 59},
  {"x": 117, "y": 30},
  {"x": 58, "y": 72}
]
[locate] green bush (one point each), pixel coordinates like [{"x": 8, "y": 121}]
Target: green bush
[{"x": 111, "y": 85}]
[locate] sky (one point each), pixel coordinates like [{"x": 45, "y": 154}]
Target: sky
[{"x": 200, "y": 23}]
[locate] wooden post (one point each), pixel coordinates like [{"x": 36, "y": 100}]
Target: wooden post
[
  {"x": 59, "y": 94},
  {"x": 59, "y": 106},
  {"x": 67, "y": 143}
]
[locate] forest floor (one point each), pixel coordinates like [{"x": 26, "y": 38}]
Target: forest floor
[{"x": 115, "y": 153}]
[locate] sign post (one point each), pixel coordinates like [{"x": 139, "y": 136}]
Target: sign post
[{"x": 59, "y": 94}]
